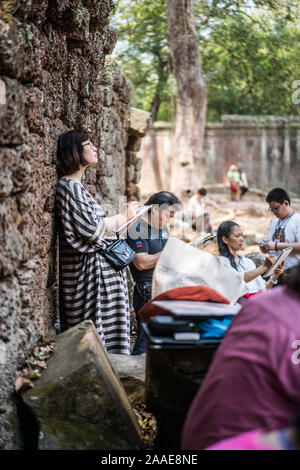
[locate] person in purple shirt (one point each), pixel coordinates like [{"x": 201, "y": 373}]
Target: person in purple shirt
[
  {"x": 254, "y": 379},
  {"x": 258, "y": 439}
]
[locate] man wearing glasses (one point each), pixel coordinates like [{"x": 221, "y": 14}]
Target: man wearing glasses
[{"x": 285, "y": 228}]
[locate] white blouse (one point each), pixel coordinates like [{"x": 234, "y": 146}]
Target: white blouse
[{"x": 245, "y": 264}]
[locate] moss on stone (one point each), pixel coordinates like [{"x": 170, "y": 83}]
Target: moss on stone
[
  {"x": 64, "y": 435},
  {"x": 6, "y": 13},
  {"x": 83, "y": 19}
]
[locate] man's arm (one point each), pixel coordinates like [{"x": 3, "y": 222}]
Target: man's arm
[
  {"x": 144, "y": 261},
  {"x": 270, "y": 246}
]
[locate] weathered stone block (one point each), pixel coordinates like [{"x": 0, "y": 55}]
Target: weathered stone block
[
  {"x": 138, "y": 121},
  {"x": 130, "y": 158},
  {"x": 99, "y": 10},
  {"x": 6, "y": 183},
  {"x": 131, "y": 189},
  {"x": 134, "y": 143},
  {"x": 11, "y": 243},
  {"x": 79, "y": 402},
  {"x": 34, "y": 110},
  {"x": 13, "y": 123},
  {"x": 131, "y": 371},
  {"x": 108, "y": 96},
  {"x": 138, "y": 170},
  {"x": 129, "y": 173},
  {"x": 9, "y": 306},
  {"x": 112, "y": 76},
  {"x": 11, "y": 42},
  {"x": 71, "y": 17}
]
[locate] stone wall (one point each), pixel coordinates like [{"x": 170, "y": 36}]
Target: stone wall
[
  {"x": 267, "y": 146},
  {"x": 54, "y": 76}
]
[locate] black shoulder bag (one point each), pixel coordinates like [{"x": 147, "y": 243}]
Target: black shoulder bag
[{"x": 119, "y": 254}]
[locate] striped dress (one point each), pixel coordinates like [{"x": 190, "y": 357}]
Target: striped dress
[{"x": 90, "y": 288}]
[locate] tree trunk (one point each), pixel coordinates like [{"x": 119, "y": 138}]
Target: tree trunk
[
  {"x": 163, "y": 74},
  {"x": 188, "y": 169}
]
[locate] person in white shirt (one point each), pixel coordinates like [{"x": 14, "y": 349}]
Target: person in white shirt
[
  {"x": 285, "y": 228},
  {"x": 230, "y": 241},
  {"x": 243, "y": 181},
  {"x": 195, "y": 211}
]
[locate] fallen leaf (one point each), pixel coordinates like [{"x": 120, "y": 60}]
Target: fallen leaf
[
  {"x": 35, "y": 374},
  {"x": 42, "y": 356},
  {"x": 21, "y": 384},
  {"x": 41, "y": 364},
  {"x": 25, "y": 372}
]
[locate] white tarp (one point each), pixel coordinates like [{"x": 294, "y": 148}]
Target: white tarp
[{"x": 182, "y": 265}]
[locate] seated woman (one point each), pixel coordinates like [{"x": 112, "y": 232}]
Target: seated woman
[
  {"x": 230, "y": 241},
  {"x": 90, "y": 287}
]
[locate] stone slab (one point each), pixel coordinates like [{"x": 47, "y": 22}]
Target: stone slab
[{"x": 79, "y": 401}]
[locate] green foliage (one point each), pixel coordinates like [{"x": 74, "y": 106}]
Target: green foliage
[
  {"x": 250, "y": 56},
  {"x": 250, "y": 66},
  {"x": 143, "y": 51}
]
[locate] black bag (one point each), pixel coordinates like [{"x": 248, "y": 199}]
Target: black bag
[{"x": 119, "y": 254}]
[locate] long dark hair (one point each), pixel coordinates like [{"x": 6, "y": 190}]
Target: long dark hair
[
  {"x": 70, "y": 152},
  {"x": 224, "y": 230}
]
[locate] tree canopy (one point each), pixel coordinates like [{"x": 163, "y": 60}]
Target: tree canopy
[{"x": 250, "y": 55}]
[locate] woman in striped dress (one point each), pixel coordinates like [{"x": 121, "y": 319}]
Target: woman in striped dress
[{"x": 90, "y": 287}]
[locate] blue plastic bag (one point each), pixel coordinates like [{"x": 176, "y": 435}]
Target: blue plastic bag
[{"x": 214, "y": 328}]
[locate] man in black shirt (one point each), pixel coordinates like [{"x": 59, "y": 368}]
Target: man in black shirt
[{"x": 148, "y": 238}]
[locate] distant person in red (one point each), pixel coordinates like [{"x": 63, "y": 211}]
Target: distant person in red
[
  {"x": 254, "y": 379},
  {"x": 233, "y": 179}
]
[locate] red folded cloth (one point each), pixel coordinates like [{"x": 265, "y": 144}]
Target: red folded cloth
[{"x": 202, "y": 293}]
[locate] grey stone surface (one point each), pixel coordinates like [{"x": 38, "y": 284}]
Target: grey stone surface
[
  {"x": 78, "y": 401},
  {"x": 131, "y": 371},
  {"x": 129, "y": 366},
  {"x": 139, "y": 120},
  {"x": 266, "y": 146},
  {"x": 257, "y": 258}
]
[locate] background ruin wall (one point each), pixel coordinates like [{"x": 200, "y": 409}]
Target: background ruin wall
[
  {"x": 267, "y": 146},
  {"x": 54, "y": 76}
]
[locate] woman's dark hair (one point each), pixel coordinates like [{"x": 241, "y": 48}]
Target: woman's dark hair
[
  {"x": 224, "y": 230},
  {"x": 163, "y": 198},
  {"x": 70, "y": 152},
  {"x": 278, "y": 195},
  {"x": 292, "y": 278}
]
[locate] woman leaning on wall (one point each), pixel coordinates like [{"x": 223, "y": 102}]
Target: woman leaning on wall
[{"x": 90, "y": 287}]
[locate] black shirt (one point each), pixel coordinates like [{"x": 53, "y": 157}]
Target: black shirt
[{"x": 144, "y": 238}]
